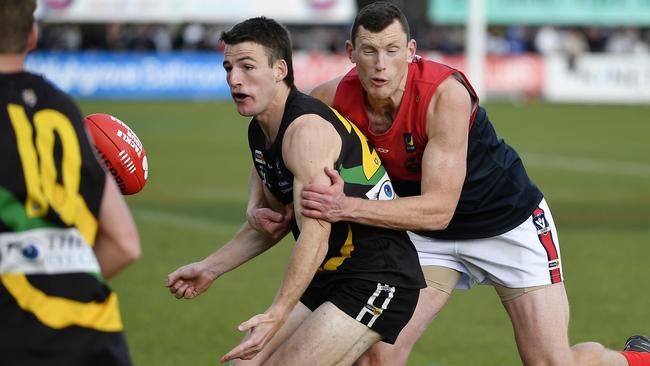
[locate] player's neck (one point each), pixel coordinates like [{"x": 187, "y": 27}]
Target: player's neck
[
  {"x": 271, "y": 118},
  {"x": 11, "y": 63},
  {"x": 381, "y": 113}
]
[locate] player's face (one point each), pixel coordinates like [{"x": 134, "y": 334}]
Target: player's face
[
  {"x": 252, "y": 81},
  {"x": 382, "y": 59}
]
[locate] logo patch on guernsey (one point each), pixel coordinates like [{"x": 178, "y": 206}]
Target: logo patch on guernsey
[
  {"x": 382, "y": 191},
  {"x": 409, "y": 143},
  {"x": 46, "y": 251}
]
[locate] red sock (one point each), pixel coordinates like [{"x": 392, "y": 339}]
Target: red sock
[{"x": 637, "y": 358}]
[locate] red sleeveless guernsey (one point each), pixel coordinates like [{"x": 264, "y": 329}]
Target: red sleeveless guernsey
[{"x": 497, "y": 194}]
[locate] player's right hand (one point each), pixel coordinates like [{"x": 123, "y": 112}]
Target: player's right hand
[
  {"x": 270, "y": 222},
  {"x": 190, "y": 281}
]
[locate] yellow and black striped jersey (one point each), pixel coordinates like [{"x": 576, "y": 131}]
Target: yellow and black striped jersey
[
  {"x": 56, "y": 307},
  {"x": 355, "y": 250}
]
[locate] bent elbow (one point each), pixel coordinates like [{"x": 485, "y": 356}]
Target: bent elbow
[
  {"x": 130, "y": 246},
  {"x": 134, "y": 252}
]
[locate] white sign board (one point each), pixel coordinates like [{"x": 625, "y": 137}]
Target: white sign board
[
  {"x": 208, "y": 11},
  {"x": 598, "y": 78}
]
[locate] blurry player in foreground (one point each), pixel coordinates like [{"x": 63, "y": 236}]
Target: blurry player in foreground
[
  {"x": 64, "y": 226},
  {"x": 347, "y": 286}
]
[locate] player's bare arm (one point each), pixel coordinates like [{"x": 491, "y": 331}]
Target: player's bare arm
[
  {"x": 117, "y": 243},
  {"x": 443, "y": 173},
  {"x": 265, "y": 213},
  {"x": 309, "y": 145},
  {"x": 326, "y": 91},
  {"x": 264, "y": 217},
  {"x": 191, "y": 280}
]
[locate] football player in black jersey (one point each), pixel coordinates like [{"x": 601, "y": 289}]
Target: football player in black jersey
[
  {"x": 347, "y": 286},
  {"x": 64, "y": 226}
]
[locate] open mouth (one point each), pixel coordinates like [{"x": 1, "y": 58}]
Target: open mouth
[
  {"x": 239, "y": 97},
  {"x": 378, "y": 82}
]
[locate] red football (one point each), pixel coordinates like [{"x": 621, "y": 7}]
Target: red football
[{"x": 120, "y": 150}]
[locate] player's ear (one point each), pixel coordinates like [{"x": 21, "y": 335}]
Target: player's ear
[
  {"x": 280, "y": 70},
  {"x": 32, "y": 39},
  {"x": 411, "y": 47},
  {"x": 349, "y": 48}
]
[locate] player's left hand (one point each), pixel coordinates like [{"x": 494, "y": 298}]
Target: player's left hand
[
  {"x": 262, "y": 328},
  {"x": 325, "y": 202}
]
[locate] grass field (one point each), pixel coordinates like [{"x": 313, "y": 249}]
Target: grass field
[{"x": 592, "y": 162}]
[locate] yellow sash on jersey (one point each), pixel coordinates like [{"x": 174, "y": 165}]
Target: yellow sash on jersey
[{"x": 58, "y": 312}]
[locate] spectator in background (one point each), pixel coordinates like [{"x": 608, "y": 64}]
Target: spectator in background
[
  {"x": 192, "y": 36},
  {"x": 547, "y": 40},
  {"x": 626, "y": 41},
  {"x": 596, "y": 39}
]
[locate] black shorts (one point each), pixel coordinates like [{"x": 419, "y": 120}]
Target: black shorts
[{"x": 383, "y": 308}]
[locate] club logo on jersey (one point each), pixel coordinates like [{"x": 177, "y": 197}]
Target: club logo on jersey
[
  {"x": 388, "y": 190},
  {"x": 383, "y": 190},
  {"x": 259, "y": 157},
  {"x": 408, "y": 142}
]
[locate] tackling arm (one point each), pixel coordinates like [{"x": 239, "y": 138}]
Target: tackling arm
[{"x": 444, "y": 165}]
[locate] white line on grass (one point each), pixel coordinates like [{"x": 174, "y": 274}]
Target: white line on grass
[
  {"x": 185, "y": 221},
  {"x": 587, "y": 165}
]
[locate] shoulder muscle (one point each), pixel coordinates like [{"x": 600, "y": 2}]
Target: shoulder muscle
[
  {"x": 310, "y": 144},
  {"x": 326, "y": 91}
]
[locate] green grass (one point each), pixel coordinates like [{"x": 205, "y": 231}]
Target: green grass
[{"x": 592, "y": 162}]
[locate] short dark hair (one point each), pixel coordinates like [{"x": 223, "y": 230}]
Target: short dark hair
[
  {"x": 16, "y": 21},
  {"x": 378, "y": 16},
  {"x": 268, "y": 33}
]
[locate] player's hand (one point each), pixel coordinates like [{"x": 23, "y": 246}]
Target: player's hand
[
  {"x": 190, "y": 281},
  {"x": 262, "y": 328},
  {"x": 269, "y": 222},
  {"x": 325, "y": 202}
]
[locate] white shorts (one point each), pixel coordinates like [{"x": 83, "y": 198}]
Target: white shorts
[{"x": 528, "y": 255}]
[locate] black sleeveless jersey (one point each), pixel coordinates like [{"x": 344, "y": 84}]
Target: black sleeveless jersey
[
  {"x": 56, "y": 307},
  {"x": 355, "y": 250}
]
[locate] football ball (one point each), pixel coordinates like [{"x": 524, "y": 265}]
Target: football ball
[{"x": 120, "y": 150}]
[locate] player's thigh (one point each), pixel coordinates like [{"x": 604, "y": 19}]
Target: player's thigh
[
  {"x": 299, "y": 313},
  {"x": 328, "y": 336},
  {"x": 540, "y": 321}
]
